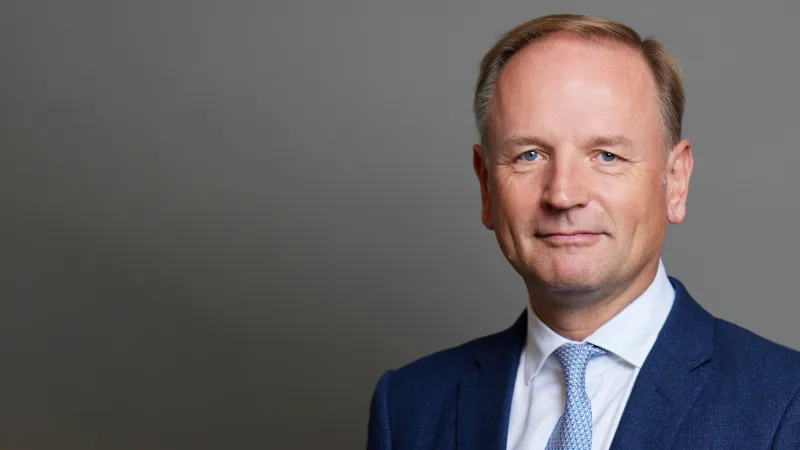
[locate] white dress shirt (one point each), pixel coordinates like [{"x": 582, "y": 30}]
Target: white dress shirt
[{"x": 539, "y": 396}]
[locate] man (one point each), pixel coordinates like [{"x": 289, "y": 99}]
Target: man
[{"x": 581, "y": 164}]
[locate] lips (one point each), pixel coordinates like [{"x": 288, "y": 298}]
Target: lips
[
  {"x": 570, "y": 237},
  {"x": 563, "y": 233}
]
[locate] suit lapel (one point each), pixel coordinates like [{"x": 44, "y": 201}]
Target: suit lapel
[
  {"x": 484, "y": 396},
  {"x": 671, "y": 378}
]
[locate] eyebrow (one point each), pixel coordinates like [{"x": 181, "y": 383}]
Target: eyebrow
[
  {"x": 517, "y": 140},
  {"x": 610, "y": 141}
]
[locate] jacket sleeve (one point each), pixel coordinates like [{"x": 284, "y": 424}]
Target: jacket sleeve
[
  {"x": 787, "y": 436},
  {"x": 380, "y": 434}
]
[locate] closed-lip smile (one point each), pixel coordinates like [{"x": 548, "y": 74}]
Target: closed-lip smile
[{"x": 570, "y": 237}]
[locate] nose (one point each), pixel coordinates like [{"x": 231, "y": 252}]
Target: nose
[{"x": 564, "y": 185}]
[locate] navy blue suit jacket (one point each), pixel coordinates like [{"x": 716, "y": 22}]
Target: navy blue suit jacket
[{"x": 706, "y": 384}]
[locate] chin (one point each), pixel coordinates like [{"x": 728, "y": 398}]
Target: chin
[
  {"x": 569, "y": 283},
  {"x": 570, "y": 274}
]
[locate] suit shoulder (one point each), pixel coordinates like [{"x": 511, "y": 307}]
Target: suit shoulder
[
  {"x": 447, "y": 365},
  {"x": 743, "y": 349}
]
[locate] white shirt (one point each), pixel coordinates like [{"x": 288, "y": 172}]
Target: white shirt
[{"x": 539, "y": 396}]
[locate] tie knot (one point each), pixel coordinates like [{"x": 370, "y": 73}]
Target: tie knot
[{"x": 574, "y": 358}]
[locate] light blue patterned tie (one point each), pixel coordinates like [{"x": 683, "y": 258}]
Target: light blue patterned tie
[{"x": 574, "y": 429}]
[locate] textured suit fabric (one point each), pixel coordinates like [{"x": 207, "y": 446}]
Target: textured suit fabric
[{"x": 706, "y": 383}]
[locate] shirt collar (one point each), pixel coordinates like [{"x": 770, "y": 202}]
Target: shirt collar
[{"x": 630, "y": 334}]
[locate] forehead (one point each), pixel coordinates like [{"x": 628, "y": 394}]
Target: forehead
[{"x": 567, "y": 85}]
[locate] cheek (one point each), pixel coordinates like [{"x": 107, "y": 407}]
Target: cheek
[
  {"x": 627, "y": 201},
  {"x": 516, "y": 197},
  {"x": 638, "y": 210}
]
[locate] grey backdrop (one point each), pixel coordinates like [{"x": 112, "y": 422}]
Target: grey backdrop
[{"x": 221, "y": 221}]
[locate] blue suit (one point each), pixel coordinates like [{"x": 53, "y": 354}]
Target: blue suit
[{"x": 706, "y": 384}]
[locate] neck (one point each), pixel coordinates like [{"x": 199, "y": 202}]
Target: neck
[{"x": 576, "y": 315}]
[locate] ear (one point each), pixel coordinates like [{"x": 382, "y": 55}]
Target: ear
[
  {"x": 479, "y": 163},
  {"x": 678, "y": 172}
]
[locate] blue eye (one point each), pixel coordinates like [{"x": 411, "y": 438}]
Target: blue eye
[
  {"x": 608, "y": 156},
  {"x": 531, "y": 155}
]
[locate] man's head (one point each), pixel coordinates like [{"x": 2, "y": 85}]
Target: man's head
[{"x": 581, "y": 162}]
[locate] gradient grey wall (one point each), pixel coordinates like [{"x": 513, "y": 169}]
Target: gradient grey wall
[{"x": 221, "y": 221}]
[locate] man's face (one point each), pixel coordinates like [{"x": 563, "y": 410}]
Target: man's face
[{"x": 575, "y": 182}]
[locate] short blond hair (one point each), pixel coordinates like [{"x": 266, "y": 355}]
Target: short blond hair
[{"x": 663, "y": 66}]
